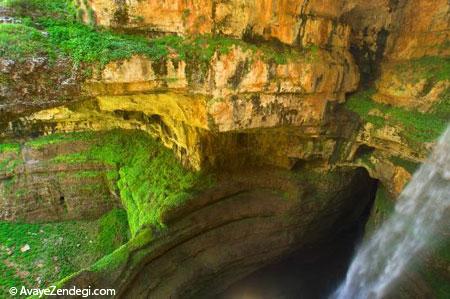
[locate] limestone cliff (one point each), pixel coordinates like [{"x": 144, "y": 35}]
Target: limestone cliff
[{"x": 274, "y": 109}]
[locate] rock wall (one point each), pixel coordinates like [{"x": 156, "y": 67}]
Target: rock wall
[
  {"x": 272, "y": 104},
  {"x": 36, "y": 187},
  {"x": 291, "y": 22}
]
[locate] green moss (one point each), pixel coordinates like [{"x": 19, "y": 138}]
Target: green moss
[
  {"x": 410, "y": 166},
  {"x": 151, "y": 180},
  {"x": 47, "y": 140},
  {"x": 383, "y": 206},
  {"x": 88, "y": 174},
  {"x": 432, "y": 68},
  {"x": 113, "y": 229},
  {"x": 438, "y": 282},
  {"x": 9, "y": 162},
  {"x": 56, "y": 249},
  {"x": 442, "y": 108},
  {"x": 122, "y": 255},
  {"x": 148, "y": 176},
  {"x": 9, "y": 147},
  {"x": 417, "y": 127},
  {"x": 70, "y": 158}
]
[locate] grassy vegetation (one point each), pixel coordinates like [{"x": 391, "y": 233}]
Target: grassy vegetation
[
  {"x": 417, "y": 127},
  {"x": 58, "y": 9},
  {"x": 56, "y": 249},
  {"x": 87, "y": 44}
]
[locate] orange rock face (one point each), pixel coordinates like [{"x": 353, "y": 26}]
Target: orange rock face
[
  {"x": 192, "y": 16},
  {"x": 291, "y": 22},
  {"x": 244, "y": 89},
  {"x": 422, "y": 29}
]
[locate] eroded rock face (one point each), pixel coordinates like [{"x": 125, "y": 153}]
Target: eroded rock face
[
  {"x": 182, "y": 122},
  {"x": 236, "y": 80},
  {"x": 421, "y": 30},
  {"x": 35, "y": 187},
  {"x": 414, "y": 84},
  {"x": 235, "y": 229},
  {"x": 36, "y": 84},
  {"x": 291, "y": 22}
]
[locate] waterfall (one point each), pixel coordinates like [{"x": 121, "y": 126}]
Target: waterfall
[{"x": 418, "y": 212}]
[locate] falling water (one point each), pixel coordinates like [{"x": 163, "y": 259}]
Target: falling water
[{"x": 418, "y": 212}]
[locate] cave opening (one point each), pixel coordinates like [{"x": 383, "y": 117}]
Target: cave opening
[
  {"x": 363, "y": 151},
  {"x": 308, "y": 273}
]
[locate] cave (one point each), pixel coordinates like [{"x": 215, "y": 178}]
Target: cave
[
  {"x": 255, "y": 241},
  {"x": 310, "y": 273},
  {"x": 363, "y": 151}
]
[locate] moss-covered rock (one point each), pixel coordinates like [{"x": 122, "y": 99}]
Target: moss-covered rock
[{"x": 35, "y": 255}]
